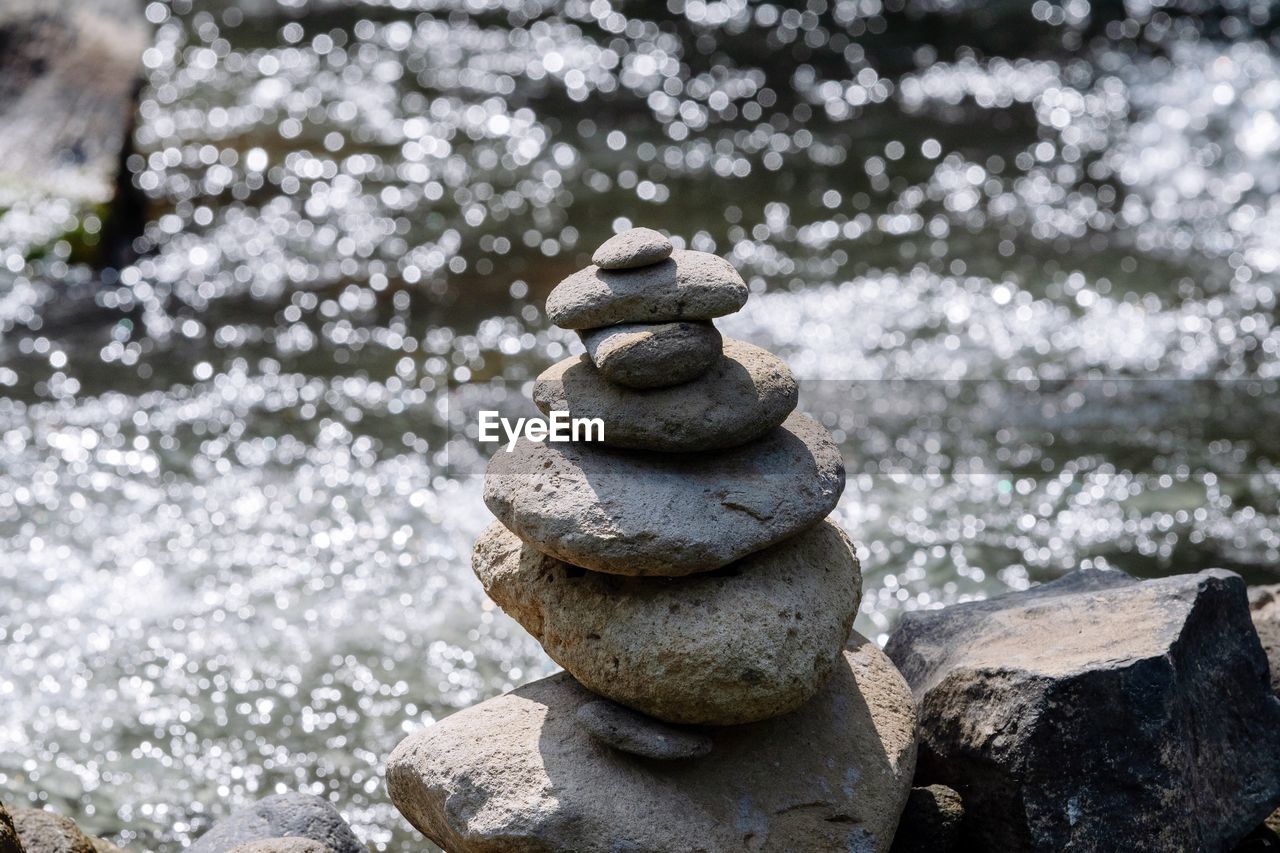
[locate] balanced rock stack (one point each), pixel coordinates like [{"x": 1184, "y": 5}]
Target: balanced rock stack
[{"x": 683, "y": 573}]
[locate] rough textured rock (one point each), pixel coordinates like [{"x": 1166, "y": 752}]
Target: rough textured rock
[
  {"x": 282, "y": 845},
  {"x": 653, "y": 355},
  {"x": 630, "y": 731},
  {"x": 517, "y": 773},
  {"x": 930, "y": 822},
  {"x": 1097, "y": 708},
  {"x": 292, "y": 815},
  {"x": 68, "y": 73},
  {"x": 746, "y": 394},
  {"x": 1264, "y": 839},
  {"x": 686, "y": 286},
  {"x": 9, "y": 842},
  {"x": 632, "y": 513},
  {"x": 1264, "y": 603},
  {"x": 43, "y": 831},
  {"x": 635, "y": 247},
  {"x": 102, "y": 845},
  {"x": 749, "y": 642}
]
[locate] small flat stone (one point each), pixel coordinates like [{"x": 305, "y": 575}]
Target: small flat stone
[
  {"x": 746, "y": 643},
  {"x": 633, "y": 513},
  {"x": 653, "y": 355},
  {"x": 519, "y": 773},
  {"x": 686, "y": 286},
  {"x": 635, "y": 247},
  {"x": 747, "y": 393},
  {"x": 630, "y": 731}
]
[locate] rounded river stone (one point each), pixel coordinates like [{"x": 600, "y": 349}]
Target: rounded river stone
[
  {"x": 653, "y": 355},
  {"x": 635, "y": 247},
  {"x": 686, "y": 286},
  {"x": 634, "y": 513},
  {"x": 518, "y": 773},
  {"x": 639, "y": 734},
  {"x": 751, "y": 641},
  {"x": 747, "y": 393}
]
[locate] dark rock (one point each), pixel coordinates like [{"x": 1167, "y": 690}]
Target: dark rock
[
  {"x": 1264, "y": 839},
  {"x": 639, "y": 734},
  {"x": 292, "y": 815},
  {"x": 1264, "y": 605},
  {"x": 930, "y": 823},
  {"x": 9, "y": 841},
  {"x": 1098, "y": 708}
]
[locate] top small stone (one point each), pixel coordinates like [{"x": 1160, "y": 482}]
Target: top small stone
[{"x": 635, "y": 247}]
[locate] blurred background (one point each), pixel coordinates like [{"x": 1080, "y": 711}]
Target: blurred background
[{"x": 1025, "y": 252}]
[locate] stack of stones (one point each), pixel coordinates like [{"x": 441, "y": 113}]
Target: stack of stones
[{"x": 684, "y": 573}]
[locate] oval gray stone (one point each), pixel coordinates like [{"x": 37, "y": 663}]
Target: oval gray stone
[
  {"x": 751, "y": 641},
  {"x": 519, "y": 773},
  {"x": 653, "y": 355},
  {"x": 639, "y": 734},
  {"x": 686, "y": 286},
  {"x": 633, "y": 513},
  {"x": 748, "y": 393},
  {"x": 289, "y": 815},
  {"x": 635, "y": 247}
]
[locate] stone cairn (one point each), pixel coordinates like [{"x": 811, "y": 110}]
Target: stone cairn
[{"x": 684, "y": 573}]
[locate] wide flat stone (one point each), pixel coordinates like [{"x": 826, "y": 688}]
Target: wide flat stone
[
  {"x": 653, "y": 355},
  {"x": 281, "y": 845},
  {"x": 635, "y": 247},
  {"x": 686, "y": 286},
  {"x": 291, "y": 815},
  {"x": 636, "y": 513},
  {"x": 1098, "y": 708},
  {"x": 746, "y": 394},
  {"x": 746, "y": 643},
  {"x": 518, "y": 772},
  {"x": 639, "y": 734}
]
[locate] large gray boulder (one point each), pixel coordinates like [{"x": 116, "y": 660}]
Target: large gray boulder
[
  {"x": 750, "y": 642},
  {"x": 1264, "y": 604},
  {"x": 653, "y": 355},
  {"x": 631, "y": 513},
  {"x": 1096, "y": 711},
  {"x": 747, "y": 393},
  {"x": 291, "y": 815},
  {"x": 518, "y": 773},
  {"x": 686, "y": 286}
]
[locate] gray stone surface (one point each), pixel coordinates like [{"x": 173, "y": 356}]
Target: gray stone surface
[
  {"x": 292, "y": 815},
  {"x": 686, "y": 286},
  {"x": 750, "y": 642},
  {"x": 748, "y": 393},
  {"x": 518, "y": 773},
  {"x": 68, "y": 73},
  {"x": 281, "y": 845},
  {"x": 43, "y": 831},
  {"x": 931, "y": 821},
  {"x": 634, "y": 513},
  {"x": 635, "y": 247},
  {"x": 1264, "y": 605},
  {"x": 1098, "y": 708},
  {"x": 639, "y": 734},
  {"x": 653, "y": 355}
]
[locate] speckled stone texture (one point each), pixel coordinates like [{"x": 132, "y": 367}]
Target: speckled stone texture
[
  {"x": 747, "y": 393},
  {"x": 1095, "y": 709},
  {"x": 42, "y": 831},
  {"x": 653, "y": 355},
  {"x": 632, "y": 513},
  {"x": 292, "y": 815},
  {"x": 519, "y": 773},
  {"x": 639, "y": 734},
  {"x": 749, "y": 642},
  {"x": 635, "y": 247},
  {"x": 686, "y": 286}
]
